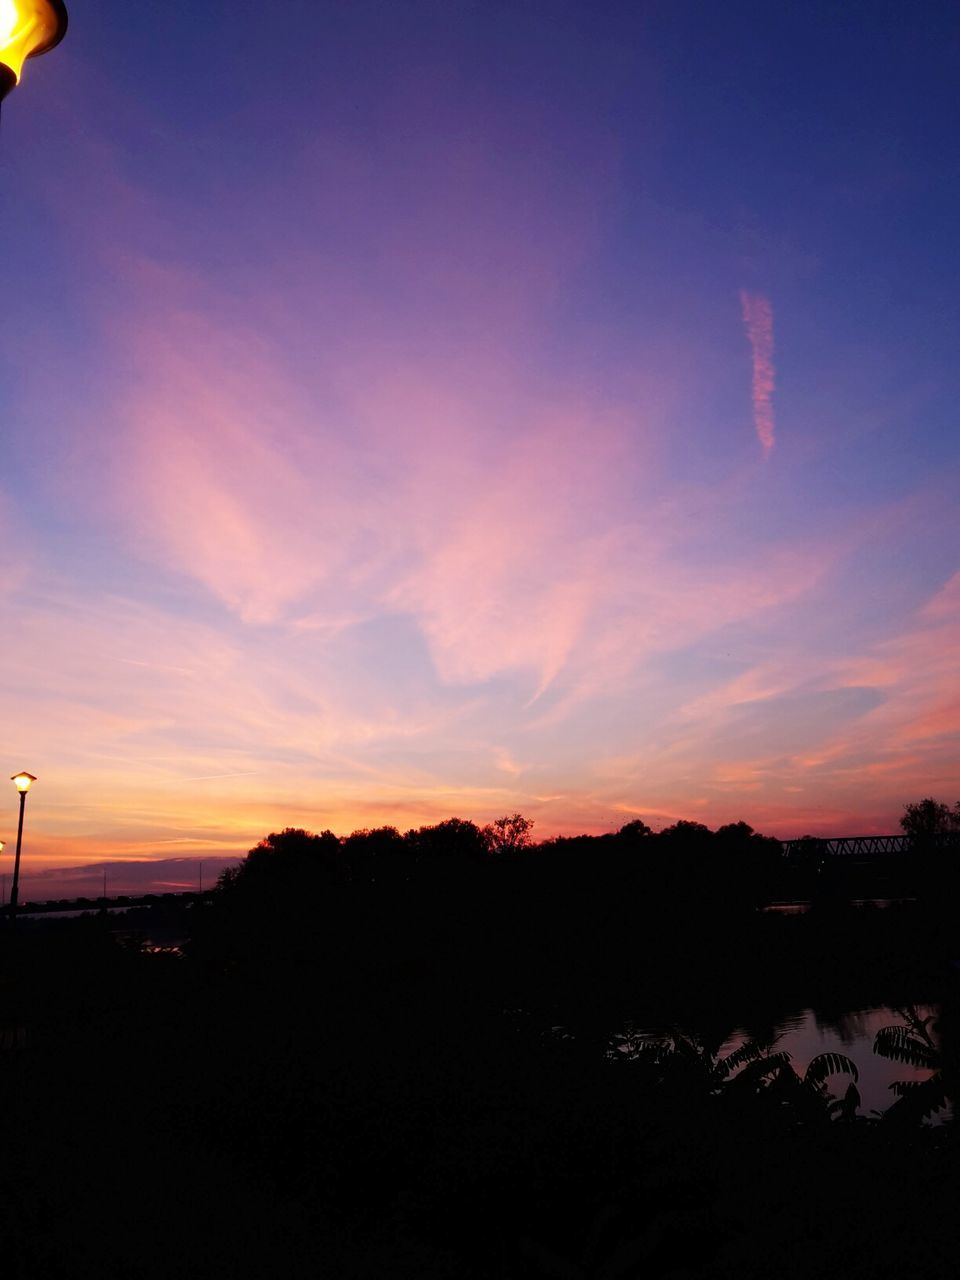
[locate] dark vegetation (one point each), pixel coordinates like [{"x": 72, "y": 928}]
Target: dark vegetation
[{"x": 405, "y": 1056}]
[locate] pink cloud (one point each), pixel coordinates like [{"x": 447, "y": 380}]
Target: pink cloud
[
  {"x": 508, "y": 576},
  {"x": 861, "y": 772},
  {"x": 19, "y": 556},
  {"x": 945, "y": 605},
  {"x": 758, "y": 321},
  {"x": 219, "y": 473},
  {"x": 371, "y": 435}
]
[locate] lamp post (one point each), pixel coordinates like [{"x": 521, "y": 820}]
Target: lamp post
[
  {"x": 22, "y": 781},
  {"x": 28, "y": 28}
]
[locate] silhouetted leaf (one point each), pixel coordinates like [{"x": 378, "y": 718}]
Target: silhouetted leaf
[
  {"x": 645, "y": 1051},
  {"x": 762, "y": 1069},
  {"x": 920, "y": 1102},
  {"x": 900, "y": 1044},
  {"x": 748, "y": 1052},
  {"x": 900, "y": 1087},
  {"x": 846, "y": 1107},
  {"x": 829, "y": 1064},
  {"x": 685, "y": 1046}
]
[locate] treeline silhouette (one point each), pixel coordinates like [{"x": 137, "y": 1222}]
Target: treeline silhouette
[
  {"x": 487, "y": 909},
  {"x": 404, "y": 1055},
  {"x": 733, "y": 866},
  {"x": 583, "y": 918}
]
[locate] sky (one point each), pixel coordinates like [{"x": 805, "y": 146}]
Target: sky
[{"x": 412, "y": 408}]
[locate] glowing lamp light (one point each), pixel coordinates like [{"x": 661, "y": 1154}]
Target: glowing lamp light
[
  {"x": 27, "y": 29},
  {"x": 22, "y": 782}
]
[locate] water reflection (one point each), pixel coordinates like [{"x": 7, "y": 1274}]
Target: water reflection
[
  {"x": 809, "y": 1034},
  {"x": 801, "y": 906}
]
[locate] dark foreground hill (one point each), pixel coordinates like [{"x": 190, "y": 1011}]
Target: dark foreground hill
[{"x": 371, "y": 1081}]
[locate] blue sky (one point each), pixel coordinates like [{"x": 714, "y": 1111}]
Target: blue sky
[{"x": 433, "y": 408}]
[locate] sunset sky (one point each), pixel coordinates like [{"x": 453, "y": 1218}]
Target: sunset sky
[{"x": 428, "y": 407}]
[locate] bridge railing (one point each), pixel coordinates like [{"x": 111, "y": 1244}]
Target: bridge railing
[{"x": 866, "y": 846}]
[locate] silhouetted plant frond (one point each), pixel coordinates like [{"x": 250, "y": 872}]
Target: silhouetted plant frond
[
  {"x": 846, "y": 1108},
  {"x": 919, "y": 1027},
  {"x": 829, "y": 1064},
  {"x": 900, "y": 1087},
  {"x": 686, "y": 1047},
  {"x": 924, "y": 1099},
  {"x": 647, "y": 1051},
  {"x": 758, "y": 1073},
  {"x": 748, "y": 1052},
  {"x": 901, "y": 1045}
]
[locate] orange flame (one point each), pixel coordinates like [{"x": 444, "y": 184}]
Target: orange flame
[{"x": 25, "y": 27}]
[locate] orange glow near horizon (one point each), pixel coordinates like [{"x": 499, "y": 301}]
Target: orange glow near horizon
[{"x": 476, "y": 458}]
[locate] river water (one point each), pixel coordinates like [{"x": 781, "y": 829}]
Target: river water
[{"x": 806, "y": 1034}]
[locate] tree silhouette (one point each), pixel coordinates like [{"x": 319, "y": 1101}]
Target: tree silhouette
[
  {"x": 635, "y": 830},
  {"x": 930, "y": 817},
  {"x": 291, "y": 859},
  {"x": 934, "y": 831},
  {"x": 508, "y": 834},
  {"x": 452, "y": 838}
]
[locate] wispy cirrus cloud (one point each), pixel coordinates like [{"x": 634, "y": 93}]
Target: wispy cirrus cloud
[
  {"x": 827, "y": 741},
  {"x": 758, "y": 321},
  {"x": 368, "y": 512}
]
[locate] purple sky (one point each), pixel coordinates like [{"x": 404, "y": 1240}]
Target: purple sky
[{"x": 444, "y": 408}]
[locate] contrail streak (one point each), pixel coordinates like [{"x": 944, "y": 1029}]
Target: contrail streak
[{"x": 758, "y": 321}]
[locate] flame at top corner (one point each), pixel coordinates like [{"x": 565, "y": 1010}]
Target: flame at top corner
[{"x": 26, "y": 27}]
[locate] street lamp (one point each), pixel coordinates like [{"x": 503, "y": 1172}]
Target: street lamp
[
  {"x": 22, "y": 782},
  {"x": 27, "y": 29}
]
